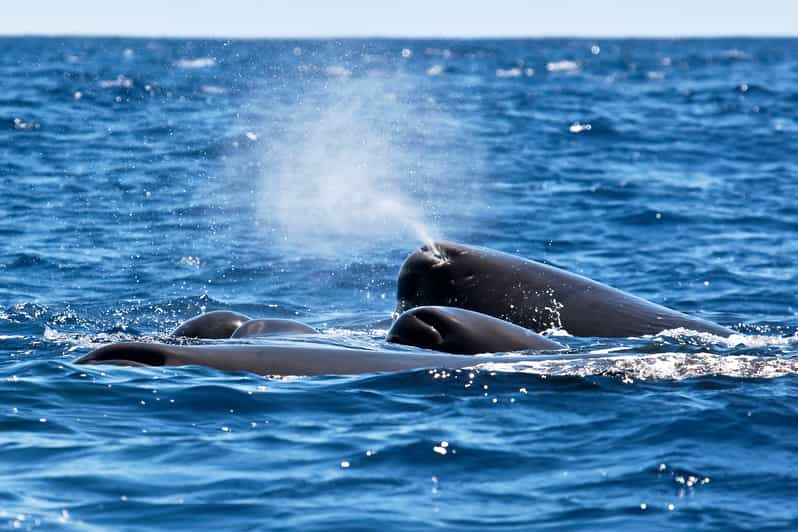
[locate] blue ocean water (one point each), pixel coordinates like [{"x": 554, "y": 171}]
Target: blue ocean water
[{"x": 145, "y": 181}]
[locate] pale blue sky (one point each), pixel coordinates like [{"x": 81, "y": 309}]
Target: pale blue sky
[{"x": 444, "y": 18}]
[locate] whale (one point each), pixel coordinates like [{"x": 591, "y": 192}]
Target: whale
[
  {"x": 271, "y": 326},
  {"x": 453, "y": 332},
  {"x": 465, "y": 332},
  {"x": 531, "y": 294},
  {"x": 211, "y": 325},
  {"x": 278, "y": 358}
]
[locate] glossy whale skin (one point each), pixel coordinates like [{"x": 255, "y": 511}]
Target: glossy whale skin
[{"x": 531, "y": 294}]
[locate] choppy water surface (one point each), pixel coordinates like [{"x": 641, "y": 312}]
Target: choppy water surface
[{"x": 142, "y": 182}]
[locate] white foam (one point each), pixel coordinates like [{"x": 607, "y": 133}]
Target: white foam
[
  {"x": 199, "y": 62},
  {"x": 191, "y": 261},
  {"x": 514, "y": 72},
  {"x": 576, "y": 127},
  {"x": 212, "y": 89},
  {"x": 562, "y": 66},
  {"x": 734, "y": 340},
  {"x": 556, "y": 331},
  {"x": 22, "y": 124},
  {"x": 659, "y": 366},
  {"x": 120, "y": 81},
  {"x": 77, "y": 340}
]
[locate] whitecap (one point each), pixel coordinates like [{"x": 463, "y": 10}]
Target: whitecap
[
  {"x": 514, "y": 72},
  {"x": 22, "y": 124},
  {"x": 212, "y": 89},
  {"x": 199, "y": 62},
  {"x": 562, "y": 66},
  {"x": 435, "y": 70},
  {"x": 190, "y": 261},
  {"x": 576, "y": 127},
  {"x": 120, "y": 81}
]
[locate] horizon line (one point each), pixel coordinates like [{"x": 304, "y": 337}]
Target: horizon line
[{"x": 707, "y": 36}]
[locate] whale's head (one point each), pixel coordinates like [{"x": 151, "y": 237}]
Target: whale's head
[
  {"x": 421, "y": 327},
  {"x": 439, "y": 274},
  {"x": 128, "y": 354},
  {"x": 461, "y": 331}
]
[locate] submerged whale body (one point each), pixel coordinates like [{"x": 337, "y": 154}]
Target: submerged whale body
[
  {"x": 456, "y": 330},
  {"x": 532, "y": 295},
  {"x": 276, "y": 359},
  {"x": 444, "y": 329}
]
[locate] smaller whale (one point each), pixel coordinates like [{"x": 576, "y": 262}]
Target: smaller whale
[
  {"x": 464, "y": 332},
  {"x": 212, "y": 325},
  {"x": 271, "y": 326}
]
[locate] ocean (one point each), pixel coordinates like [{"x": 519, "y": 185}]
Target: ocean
[{"x": 144, "y": 181}]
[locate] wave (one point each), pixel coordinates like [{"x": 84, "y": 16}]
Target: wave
[
  {"x": 562, "y": 66},
  {"x": 199, "y": 62}
]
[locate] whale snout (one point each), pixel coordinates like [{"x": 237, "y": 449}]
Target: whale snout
[
  {"x": 460, "y": 331},
  {"x": 127, "y": 354},
  {"x": 413, "y": 329},
  {"x": 425, "y": 274}
]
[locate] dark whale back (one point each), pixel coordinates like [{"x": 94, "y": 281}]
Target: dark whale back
[
  {"x": 456, "y": 330},
  {"x": 531, "y": 294},
  {"x": 212, "y": 325},
  {"x": 270, "y": 327}
]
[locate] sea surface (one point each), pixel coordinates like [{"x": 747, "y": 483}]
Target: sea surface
[{"x": 143, "y": 182}]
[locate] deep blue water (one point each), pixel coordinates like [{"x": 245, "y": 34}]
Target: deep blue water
[{"x": 144, "y": 181}]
